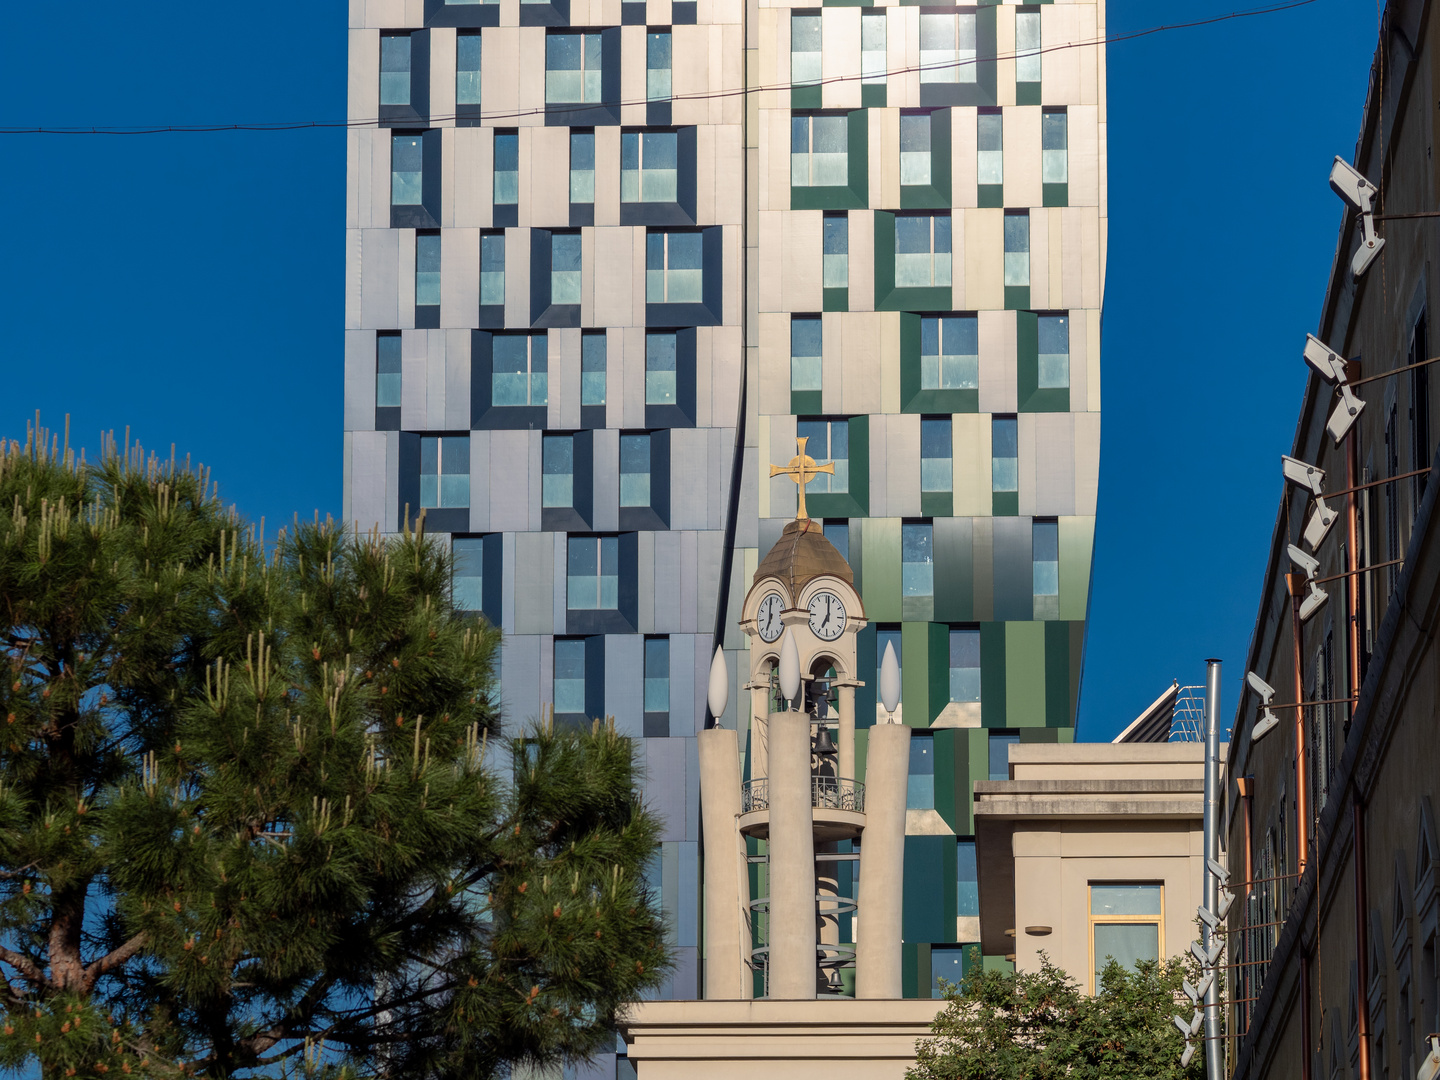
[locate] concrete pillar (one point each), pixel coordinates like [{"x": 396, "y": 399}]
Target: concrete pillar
[
  {"x": 759, "y": 736},
  {"x": 882, "y": 863},
  {"x": 727, "y": 885},
  {"x": 847, "y": 730},
  {"x": 792, "y": 859}
]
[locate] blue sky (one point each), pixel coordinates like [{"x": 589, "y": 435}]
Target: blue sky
[{"x": 191, "y": 285}]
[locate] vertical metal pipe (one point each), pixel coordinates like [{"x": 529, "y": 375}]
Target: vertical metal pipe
[
  {"x": 1305, "y": 1058},
  {"x": 1242, "y": 784},
  {"x": 1297, "y": 583},
  {"x": 1362, "y": 939},
  {"x": 1214, "y": 1052},
  {"x": 1352, "y": 560}
]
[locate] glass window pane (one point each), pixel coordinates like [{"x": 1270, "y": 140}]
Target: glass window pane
[
  {"x": 1126, "y": 943},
  {"x": 838, "y": 533},
  {"x": 592, "y": 369},
  {"x": 1125, "y": 899},
  {"x": 1000, "y": 755},
  {"x": 1046, "y": 540},
  {"x": 1027, "y": 46},
  {"x": 967, "y": 880},
  {"x": 946, "y": 963},
  {"x": 1003, "y": 436},
  {"x": 920, "y": 788},
  {"x": 467, "y": 586},
  {"x": 507, "y": 153}
]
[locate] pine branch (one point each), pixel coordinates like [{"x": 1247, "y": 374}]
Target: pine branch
[
  {"x": 114, "y": 959},
  {"x": 28, "y": 969}
]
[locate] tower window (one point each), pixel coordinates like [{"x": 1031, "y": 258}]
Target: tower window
[
  {"x": 444, "y": 471},
  {"x": 922, "y": 250}
]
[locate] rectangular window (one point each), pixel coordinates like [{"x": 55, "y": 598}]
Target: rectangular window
[
  {"x": 914, "y": 148},
  {"x": 467, "y": 68},
  {"x": 838, "y": 533},
  {"x": 920, "y": 786},
  {"x": 827, "y": 440},
  {"x": 1125, "y": 924},
  {"x": 805, "y": 352},
  {"x": 657, "y": 66},
  {"x": 635, "y": 470},
  {"x": 1045, "y": 555},
  {"x": 467, "y": 582},
  {"x": 521, "y": 370},
  {"x": 407, "y": 170},
  {"x": 1004, "y": 454},
  {"x": 917, "y": 559},
  {"x": 507, "y": 168},
  {"x": 427, "y": 269},
  {"x": 674, "y": 268},
  {"x": 936, "y": 455},
  {"x": 947, "y": 48},
  {"x": 592, "y": 369},
  {"x": 657, "y": 674},
  {"x": 387, "y": 371},
  {"x": 1027, "y": 46},
  {"x": 570, "y": 676},
  {"x": 565, "y": 268},
  {"x": 492, "y": 268},
  {"x": 965, "y": 665},
  {"x": 922, "y": 250},
  {"x": 444, "y": 471},
  {"x": 1054, "y": 334},
  {"x": 949, "y": 352},
  {"x": 1054, "y": 148},
  {"x": 967, "y": 880},
  {"x": 572, "y": 68},
  {"x": 1017, "y": 247},
  {"x": 582, "y": 166},
  {"x": 394, "y": 69},
  {"x": 557, "y": 482},
  {"x": 660, "y": 368},
  {"x": 819, "y": 151},
  {"x": 837, "y": 251},
  {"x": 990, "y": 155},
  {"x": 999, "y": 745},
  {"x": 873, "y": 63},
  {"x": 804, "y": 49},
  {"x": 649, "y": 166},
  {"x": 592, "y": 575}
]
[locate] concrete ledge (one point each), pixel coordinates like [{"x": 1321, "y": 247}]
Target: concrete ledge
[
  {"x": 1080, "y": 786},
  {"x": 1082, "y": 809}
]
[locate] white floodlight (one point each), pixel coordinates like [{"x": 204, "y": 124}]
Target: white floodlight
[
  {"x": 1315, "y": 598},
  {"x": 1215, "y": 866},
  {"x": 1346, "y": 182},
  {"x": 1307, "y": 476},
  {"x": 1187, "y": 1055},
  {"x": 1308, "y": 564},
  {"x": 1207, "y": 916},
  {"x": 1330, "y": 366},
  {"x": 1430, "y": 1067},
  {"x": 1267, "y": 718}
]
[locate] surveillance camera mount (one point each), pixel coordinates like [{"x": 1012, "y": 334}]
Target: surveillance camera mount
[{"x": 1360, "y": 193}]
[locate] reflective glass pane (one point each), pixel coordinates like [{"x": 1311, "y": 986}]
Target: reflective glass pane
[
  {"x": 1003, "y": 437},
  {"x": 967, "y": 880},
  {"x": 914, "y": 133},
  {"x": 1125, "y": 899},
  {"x": 387, "y": 353},
  {"x": 838, "y": 533},
  {"x": 935, "y": 441},
  {"x": 583, "y": 558},
  {"x": 429, "y": 455},
  {"x": 492, "y": 254},
  {"x": 562, "y": 52},
  {"x": 1126, "y": 943},
  {"x": 1000, "y": 755},
  {"x": 920, "y": 788},
  {"x": 837, "y": 234},
  {"x": 1017, "y": 233},
  {"x": 1027, "y": 46},
  {"x": 387, "y": 390},
  {"x": 912, "y": 234},
  {"x": 468, "y": 581}
]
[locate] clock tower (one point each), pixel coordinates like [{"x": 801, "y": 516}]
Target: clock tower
[{"x": 803, "y": 797}]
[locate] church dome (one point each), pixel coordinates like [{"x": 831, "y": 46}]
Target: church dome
[{"x": 800, "y": 555}]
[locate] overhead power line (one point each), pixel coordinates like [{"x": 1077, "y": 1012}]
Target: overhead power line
[{"x": 710, "y": 95}]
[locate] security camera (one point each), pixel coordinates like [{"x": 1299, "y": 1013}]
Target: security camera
[
  {"x": 1302, "y": 475},
  {"x": 1319, "y": 524},
  {"x": 1260, "y": 686},
  {"x": 1330, "y": 366},
  {"x": 1346, "y": 182}
]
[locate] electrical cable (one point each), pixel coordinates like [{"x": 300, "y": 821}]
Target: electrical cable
[{"x": 577, "y": 107}]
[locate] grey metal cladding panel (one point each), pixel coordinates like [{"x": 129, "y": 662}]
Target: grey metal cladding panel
[
  {"x": 902, "y": 465},
  {"x": 606, "y": 471},
  {"x": 689, "y": 581},
  {"x": 625, "y": 682},
  {"x": 954, "y": 570},
  {"x": 687, "y": 903},
  {"x": 380, "y": 279},
  {"x": 747, "y": 526},
  {"x": 1054, "y": 464},
  {"x": 368, "y": 491},
  {"x": 534, "y": 584},
  {"x": 557, "y": 582},
  {"x": 682, "y": 686},
  {"x": 983, "y": 555},
  {"x": 459, "y": 277},
  {"x": 517, "y": 277},
  {"x": 770, "y": 530},
  {"x": 565, "y": 364},
  {"x": 457, "y": 382},
  {"x": 392, "y": 481},
  {"x": 666, "y": 784},
  {"x": 712, "y": 544},
  {"x": 359, "y": 380},
  {"x": 435, "y": 379},
  {"x": 692, "y": 480},
  {"x": 537, "y": 449},
  {"x": 879, "y": 456},
  {"x": 414, "y": 379},
  {"x": 645, "y": 556},
  {"x": 479, "y": 479},
  {"x": 1014, "y": 570},
  {"x": 509, "y": 481},
  {"x": 692, "y": 788},
  {"x": 667, "y": 583},
  {"x": 507, "y": 582},
  {"x": 519, "y": 681},
  {"x": 669, "y": 890}
]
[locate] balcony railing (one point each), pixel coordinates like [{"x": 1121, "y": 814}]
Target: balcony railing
[{"x": 826, "y": 793}]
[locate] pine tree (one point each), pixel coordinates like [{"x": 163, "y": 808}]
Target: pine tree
[{"x": 251, "y": 814}]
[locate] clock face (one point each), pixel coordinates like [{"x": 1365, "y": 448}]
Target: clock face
[
  {"x": 827, "y": 616},
  {"x": 767, "y": 617}
]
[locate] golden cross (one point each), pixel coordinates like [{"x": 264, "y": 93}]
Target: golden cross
[{"x": 802, "y": 469}]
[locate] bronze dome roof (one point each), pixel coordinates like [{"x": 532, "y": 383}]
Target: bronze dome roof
[{"x": 800, "y": 555}]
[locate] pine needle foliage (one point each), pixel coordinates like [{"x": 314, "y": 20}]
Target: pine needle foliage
[
  {"x": 255, "y": 815},
  {"x": 1039, "y": 1026}
]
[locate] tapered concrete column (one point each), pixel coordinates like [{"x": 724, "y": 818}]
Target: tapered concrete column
[
  {"x": 727, "y": 887},
  {"x": 759, "y": 737},
  {"x": 882, "y": 863},
  {"x": 792, "y": 859},
  {"x": 847, "y": 730}
]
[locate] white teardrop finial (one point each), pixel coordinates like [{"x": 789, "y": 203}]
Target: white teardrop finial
[
  {"x": 890, "y": 679},
  {"x": 719, "y": 695},
  {"x": 789, "y": 667}
]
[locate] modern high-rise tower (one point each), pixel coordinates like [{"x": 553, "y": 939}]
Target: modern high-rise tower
[{"x": 607, "y": 260}]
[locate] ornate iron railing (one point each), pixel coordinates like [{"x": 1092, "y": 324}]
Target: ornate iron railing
[{"x": 826, "y": 793}]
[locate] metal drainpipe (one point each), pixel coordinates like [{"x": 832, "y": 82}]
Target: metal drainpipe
[
  {"x": 1362, "y": 943},
  {"x": 1352, "y": 553},
  {"x": 1297, "y": 583},
  {"x": 1305, "y": 1016},
  {"x": 1214, "y": 1052}
]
